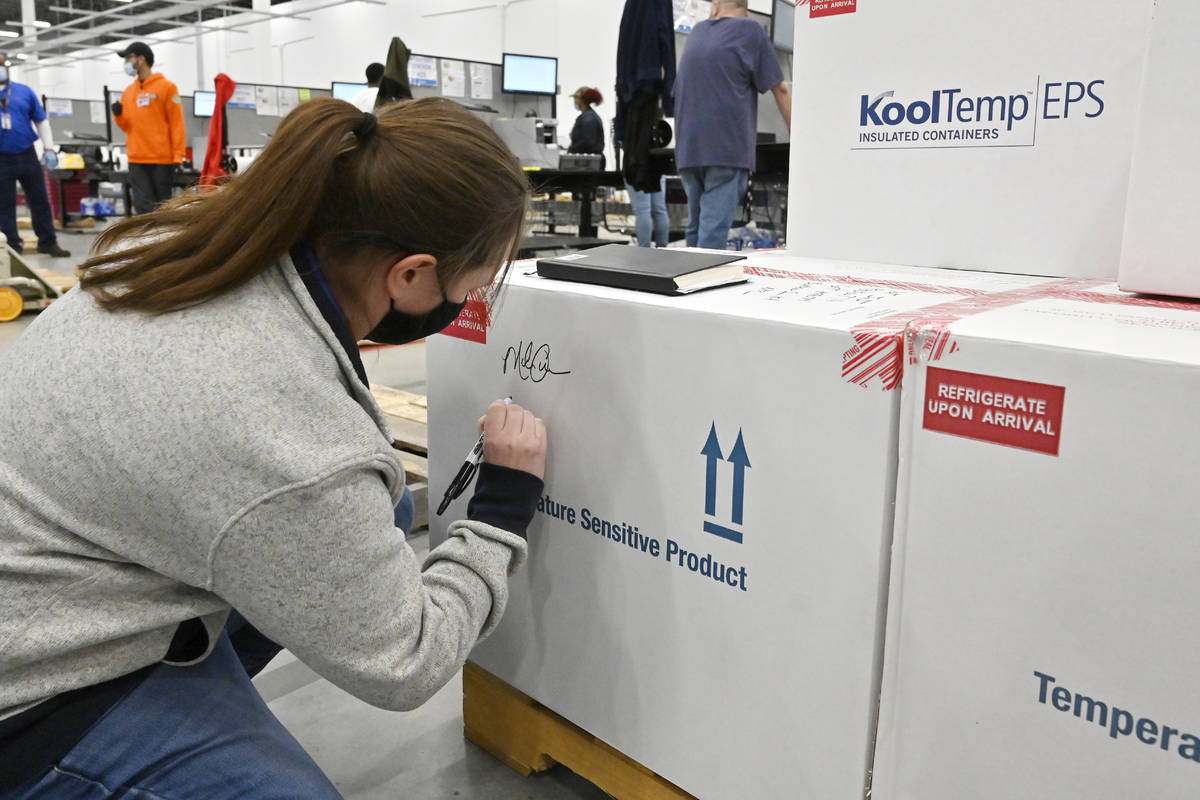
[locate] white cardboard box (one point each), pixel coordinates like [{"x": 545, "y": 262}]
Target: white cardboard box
[
  {"x": 765, "y": 684},
  {"x": 966, "y": 133},
  {"x": 1159, "y": 251},
  {"x": 1055, "y": 537}
]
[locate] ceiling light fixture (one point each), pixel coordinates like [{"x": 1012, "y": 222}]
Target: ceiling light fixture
[
  {"x": 37, "y": 23},
  {"x": 10, "y": 34}
]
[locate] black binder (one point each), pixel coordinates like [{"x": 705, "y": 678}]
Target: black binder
[{"x": 644, "y": 269}]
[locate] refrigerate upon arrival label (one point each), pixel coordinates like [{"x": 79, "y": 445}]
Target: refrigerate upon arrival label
[
  {"x": 1000, "y": 410},
  {"x": 828, "y": 8},
  {"x": 471, "y": 324}
]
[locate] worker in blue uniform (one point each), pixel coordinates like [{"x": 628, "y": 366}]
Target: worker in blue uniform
[{"x": 22, "y": 121}]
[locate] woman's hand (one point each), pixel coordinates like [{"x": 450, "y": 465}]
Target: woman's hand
[{"x": 513, "y": 437}]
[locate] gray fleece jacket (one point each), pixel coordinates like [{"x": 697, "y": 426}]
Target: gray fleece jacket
[{"x": 155, "y": 469}]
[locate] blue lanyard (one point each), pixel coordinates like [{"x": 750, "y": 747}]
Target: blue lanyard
[
  {"x": 311, "y": 271},
  {"x": 314, "y": 268}
]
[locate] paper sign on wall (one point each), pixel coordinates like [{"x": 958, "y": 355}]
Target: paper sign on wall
[
  {"x": 58, "y": 107},
  {"x": 96, "y": 109},
  {"x": 289, "y": 98},
  {"x": 689, "y": 12},
  {"x": 454, "y": 78},
  {"x": 481, "y": 82},
  {"x": 266, "y": 101},
  {"x": 422, "y": 71},
  {"x": 243, "y": 96}
]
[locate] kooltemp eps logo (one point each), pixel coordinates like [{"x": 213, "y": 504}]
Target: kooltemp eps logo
[{"x": 956, "y": 117}]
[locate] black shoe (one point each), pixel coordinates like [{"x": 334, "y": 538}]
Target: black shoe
[{"x": 55, "y": 252}]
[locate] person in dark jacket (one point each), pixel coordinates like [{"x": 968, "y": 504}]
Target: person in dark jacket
[
  {"x": 587, "y": 136},
  {"x": 393, "y": 85},
  {"x": 645, "y": 56}
]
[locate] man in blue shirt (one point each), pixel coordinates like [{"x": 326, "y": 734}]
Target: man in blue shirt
[
  {"x": 727, "y": 63},
  {"x": 20, "y": 111}
]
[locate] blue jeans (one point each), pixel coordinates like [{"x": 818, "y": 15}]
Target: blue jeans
[
  {"x": 198, "y": 731},
  {"x": 186, "y": 732},
  {"x": 651, "y": 210},
  {"x": 406, "y": 511},
  {"x": 713, "y": 194},
  {"x": 26, "y": 168}
]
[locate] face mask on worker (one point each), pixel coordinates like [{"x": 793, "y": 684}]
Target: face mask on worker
[
  {"x": 399, "y": 328},
  {"x": 130, "y": 69}
]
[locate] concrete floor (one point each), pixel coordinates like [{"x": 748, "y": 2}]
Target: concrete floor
[{"x": 369, "y": 753}]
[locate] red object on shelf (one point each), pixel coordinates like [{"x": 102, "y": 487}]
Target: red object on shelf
[{"x": 212, "y": 157}]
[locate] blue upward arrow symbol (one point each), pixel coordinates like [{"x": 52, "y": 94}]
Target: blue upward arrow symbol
[
  {"x": 740, "y": 462},
  {"x": 712, "y": 449}
]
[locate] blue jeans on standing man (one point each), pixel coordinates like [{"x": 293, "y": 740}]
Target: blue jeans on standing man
[
  {"x": 651, "y": 210},
  {"x": 26, "y": 168},
  {"x": 713, "y": 194}
]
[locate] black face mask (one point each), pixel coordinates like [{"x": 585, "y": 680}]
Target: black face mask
[{"x": 399, "y": 328}]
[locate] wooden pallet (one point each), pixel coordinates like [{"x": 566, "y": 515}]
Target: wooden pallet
[
  {"x": 408, "y": 417},
  {"x": 58, "y": 280},
  {"x": 84, "y": 223},
  {"x": 529, "y": 737}
]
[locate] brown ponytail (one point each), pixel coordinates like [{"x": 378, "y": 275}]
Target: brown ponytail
[{"x": 431, "y": 178}]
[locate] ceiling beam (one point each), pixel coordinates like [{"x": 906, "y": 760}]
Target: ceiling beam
[
  {"x": 78, "y": 36},
  {"x": 116, "y": 11},
  {"x": 235, "y": 10}
]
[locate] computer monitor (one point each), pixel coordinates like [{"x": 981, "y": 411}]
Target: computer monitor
[
  {"x": 203, "y": 104},
  {"x": 530, "y": 74},
  {"x": 783, "y": 25},
  {"x": 347, "y": 91}
]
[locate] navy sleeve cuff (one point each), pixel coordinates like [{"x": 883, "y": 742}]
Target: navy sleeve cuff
[{"x": 505, "y": 498}]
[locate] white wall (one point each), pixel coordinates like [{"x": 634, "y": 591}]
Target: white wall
[{"x": 582, "y": 34}]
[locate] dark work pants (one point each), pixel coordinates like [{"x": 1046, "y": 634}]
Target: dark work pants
[
  {"x": 26, "y": 168},
  {"x": 150, "y": 184}
]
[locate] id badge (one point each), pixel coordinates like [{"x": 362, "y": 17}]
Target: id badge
[
  {"x": 143, "y": 100},
  {"x": 6, "y": 121}
]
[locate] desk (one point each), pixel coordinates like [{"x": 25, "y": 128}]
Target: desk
[
  {"x": 61, "y": 177},
  {"x": 771, "y": 161},
  {"x": 532, "y": 245},
  {"x": 182, "y": 179},
  {"x": 578, "y": 183}
]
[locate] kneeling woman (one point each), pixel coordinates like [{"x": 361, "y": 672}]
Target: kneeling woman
[{"x": 191, "y": 431}]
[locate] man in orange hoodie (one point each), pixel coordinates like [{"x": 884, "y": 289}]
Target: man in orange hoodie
[{"x": 151, "y": 114}]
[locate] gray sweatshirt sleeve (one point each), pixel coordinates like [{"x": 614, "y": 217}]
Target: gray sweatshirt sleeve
[{"x": 321, "y": 569}]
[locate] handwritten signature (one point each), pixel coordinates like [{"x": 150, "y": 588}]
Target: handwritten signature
[{"x": 532, "y": 362}]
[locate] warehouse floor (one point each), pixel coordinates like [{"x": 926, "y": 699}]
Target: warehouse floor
[{"x": 369, "y": 753}]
